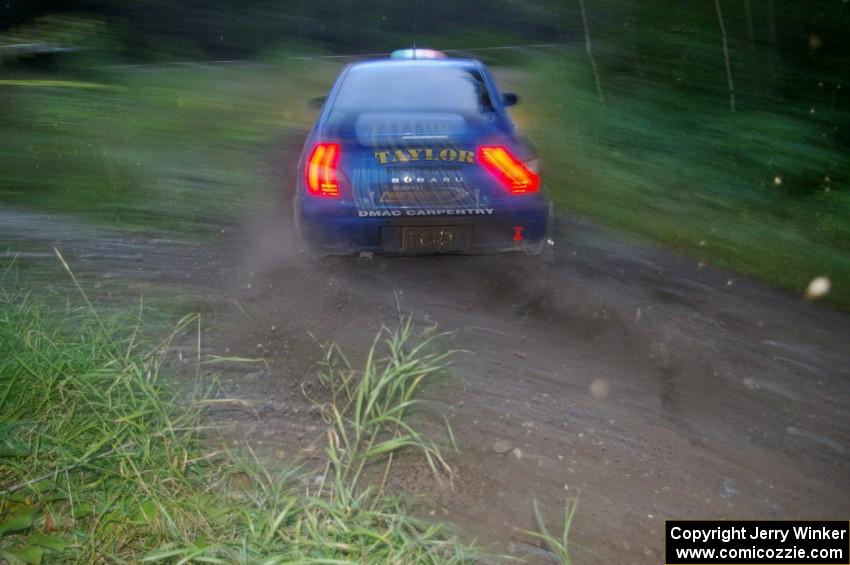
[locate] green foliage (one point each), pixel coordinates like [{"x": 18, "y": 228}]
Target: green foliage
[
  {"x": 559, "y": 544},
  {"x": 369, "y": 409},
  {"x": 110, "y": 463},
  {"x": 763, "y": 192},
  {"x": 166, "y": 149}
]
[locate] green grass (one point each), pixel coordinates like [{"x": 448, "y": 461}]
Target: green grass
[
  {"x": 105, "y": 456},
  {"x": 174, "y": 148},
  {"x": 762, "y": 191},
  {"x": 369, "y": 409},
  {"x": 558, "y": 545}
]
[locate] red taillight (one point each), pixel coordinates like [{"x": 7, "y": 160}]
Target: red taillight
[
  {"x": 516, "y": 177},
  {"x": 321, "y": 170}
]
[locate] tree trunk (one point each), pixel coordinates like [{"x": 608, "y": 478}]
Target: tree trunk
[
  {"x": 589, "y": 49},
  {"x": 726, "y": 56}
]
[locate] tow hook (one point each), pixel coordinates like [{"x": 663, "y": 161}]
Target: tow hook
[{"x": 365, "y": 258}]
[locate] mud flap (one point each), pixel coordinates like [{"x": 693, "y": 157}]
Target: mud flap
[
  {"x": 547, "y": 254},
  {"x": 545, "y": 250}
]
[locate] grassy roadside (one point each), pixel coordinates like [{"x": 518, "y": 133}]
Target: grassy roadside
[
  {"x": 761, "y": 191},
  {"x": 104, "y": 458},
  {"x": 161, "y": 148}
]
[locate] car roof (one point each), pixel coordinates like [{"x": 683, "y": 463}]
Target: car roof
[{"x": 417, "y": 63}]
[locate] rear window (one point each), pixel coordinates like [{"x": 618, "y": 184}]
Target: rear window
[{"x": 418, "y": 88}]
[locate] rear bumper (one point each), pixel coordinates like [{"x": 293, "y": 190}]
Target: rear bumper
[{"x": 522, "y": 224}]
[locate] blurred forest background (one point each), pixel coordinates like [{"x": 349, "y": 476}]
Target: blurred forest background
[{"x": 715, "y": 127}]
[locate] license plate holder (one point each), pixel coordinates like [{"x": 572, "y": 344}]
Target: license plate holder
[{"x": 432, "y": 239}]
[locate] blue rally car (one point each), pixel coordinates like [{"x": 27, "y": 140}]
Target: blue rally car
[{"x": 416, "y": 154}]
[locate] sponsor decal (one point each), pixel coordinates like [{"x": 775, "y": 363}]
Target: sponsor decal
[
  {"x": 424, "y": 154},
  {"x": 407, "y": 179},
  {"x": 426, "y": 212}
]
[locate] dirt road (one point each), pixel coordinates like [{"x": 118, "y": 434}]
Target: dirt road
[{"x": 643, "y": 384}]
